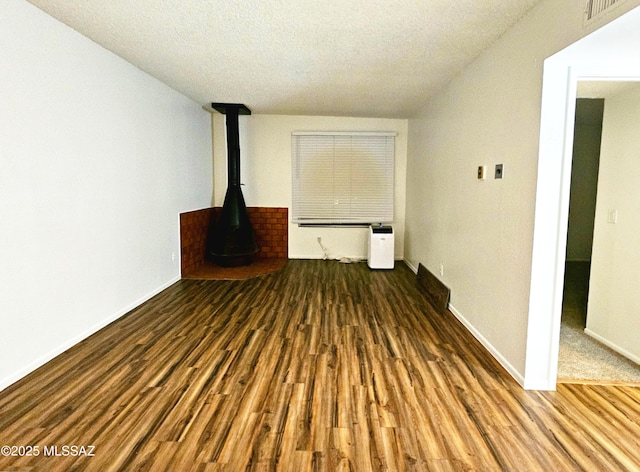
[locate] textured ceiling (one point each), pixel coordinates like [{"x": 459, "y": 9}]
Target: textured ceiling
[{"x": 373, "y": 58}]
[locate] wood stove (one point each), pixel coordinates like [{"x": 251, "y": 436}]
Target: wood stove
[{"x": 231, "y": 240}]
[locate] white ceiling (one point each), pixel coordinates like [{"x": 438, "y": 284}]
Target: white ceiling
[{"x": 372, "y": 58}]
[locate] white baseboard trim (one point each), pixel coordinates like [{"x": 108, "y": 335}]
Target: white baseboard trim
[
  {"x": 413, "y": 268},
  {"x": 9, "y": 380},
  {"x": 518, "y": 377},
  {"x": 615, "y": 347}
]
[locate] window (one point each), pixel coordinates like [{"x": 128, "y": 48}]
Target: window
[{"x": 342, "y": 177}]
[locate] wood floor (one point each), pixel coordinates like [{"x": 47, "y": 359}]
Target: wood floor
[{"x": 322, "y": 366}]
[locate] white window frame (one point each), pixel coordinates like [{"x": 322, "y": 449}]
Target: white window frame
[{"x": 342, "y": 177}]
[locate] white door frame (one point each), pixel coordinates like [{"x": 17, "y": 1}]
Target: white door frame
[{"x": 581, "y": 61}]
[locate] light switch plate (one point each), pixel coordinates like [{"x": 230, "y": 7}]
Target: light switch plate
[{"x": 498, "y": 174}]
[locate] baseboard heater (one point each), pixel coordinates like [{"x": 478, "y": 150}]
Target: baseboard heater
[{"x": 436, "y": 292}]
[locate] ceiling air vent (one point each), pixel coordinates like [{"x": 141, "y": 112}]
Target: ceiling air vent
[{"x": 597, "y": 8}]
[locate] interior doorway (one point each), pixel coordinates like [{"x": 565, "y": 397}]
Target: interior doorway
[
  {"x": 607, "y": 54},
  {"x": 582, "y": 358}
]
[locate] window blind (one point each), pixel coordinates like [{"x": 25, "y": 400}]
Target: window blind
[{"x": 342, "y": 178}]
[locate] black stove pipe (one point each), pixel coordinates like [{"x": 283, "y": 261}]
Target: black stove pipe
[{"x": 231, "y": 240}]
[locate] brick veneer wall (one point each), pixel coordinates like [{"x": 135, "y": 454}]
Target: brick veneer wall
[
  {"x": 193, "y": 238},
  {"x": 271, "y": 227}
]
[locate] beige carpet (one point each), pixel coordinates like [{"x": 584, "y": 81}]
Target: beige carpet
[{"x": 581, "y": 358}]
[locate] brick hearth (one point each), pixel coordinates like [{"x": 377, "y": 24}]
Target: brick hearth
[{"x": 271, "y": 230}]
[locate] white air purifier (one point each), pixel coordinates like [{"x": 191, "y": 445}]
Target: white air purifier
[{"x": 381, "y": 245}]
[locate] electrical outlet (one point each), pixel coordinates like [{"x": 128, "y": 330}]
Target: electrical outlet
[
  {"x": 441, "y": 269},
  {"x": 173, "y": 257},
  {"x": 482, "y": 172}
]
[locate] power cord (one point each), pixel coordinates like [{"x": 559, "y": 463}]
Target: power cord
[
  {"x": 344, "y": 260},
  {"x": 325, "y": 254}
]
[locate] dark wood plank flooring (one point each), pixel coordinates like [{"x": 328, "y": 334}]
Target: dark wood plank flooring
[{"x": 322, "y": 366}]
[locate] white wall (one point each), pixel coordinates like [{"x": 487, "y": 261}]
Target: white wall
[
  {"x": 98, "y": 160},
  {"x": 482, "y": 232},
  {"x": 265, "y": 149},
  {"x": 614, "y": 305}
]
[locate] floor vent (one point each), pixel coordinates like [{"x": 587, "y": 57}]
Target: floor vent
[{"x": 597, "y": 8}]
